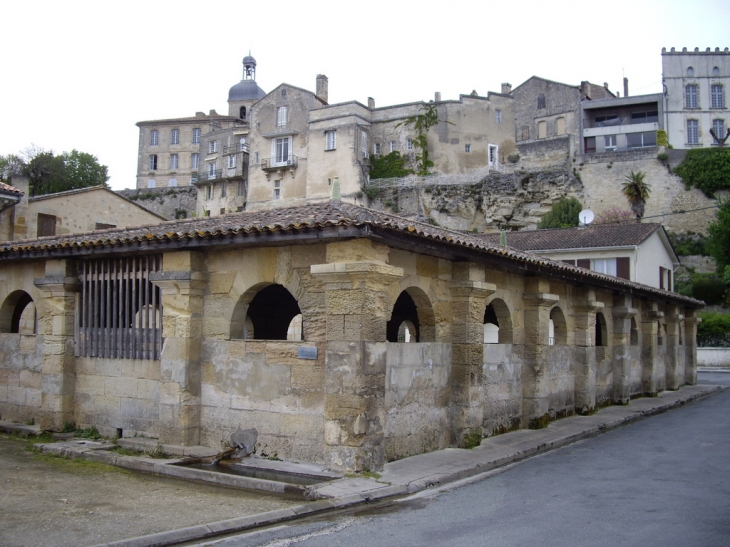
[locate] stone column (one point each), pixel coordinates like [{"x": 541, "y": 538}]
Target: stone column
[
  {"x": 57, "y": 326},
  {"x": 690, "y": 346},
  {"x": 535, "y": 372},
  {"x": 585, "y": 352},
  {"x": 469, "y": 294},
  {"x": 181, "y": 282},
  {"x": 622, "y": 313},
  {"x": 674, "y": 362},
  {"x": 649, "y": 373},
  {"x": 357, "y": 303}
]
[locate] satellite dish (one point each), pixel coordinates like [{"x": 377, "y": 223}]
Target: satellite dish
[{"x": 585, "y": 217}]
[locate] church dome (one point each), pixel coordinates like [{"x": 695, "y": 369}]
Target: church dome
[{"x": 245, "y": 90}]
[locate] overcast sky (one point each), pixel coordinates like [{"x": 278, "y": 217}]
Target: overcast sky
[{"x": 80, "y": 74}]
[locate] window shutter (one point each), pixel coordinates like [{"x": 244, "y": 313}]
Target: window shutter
[
  {"x": 669, "y": 280},
  {"x": 661, "y": 277},
  {"x": 46, "y": 225},
  {"x": 584, "y": 263},
  {"x": 623, "y": 267}
]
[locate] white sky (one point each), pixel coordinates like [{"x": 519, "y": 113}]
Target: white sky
[{"x": 80, "y": 74}]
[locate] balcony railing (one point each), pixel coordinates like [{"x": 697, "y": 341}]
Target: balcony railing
[
  {"x": 589, "y": 123},
  {"x": 268, "y": 164},
  {"x": 235, "y": 148},
  {"x": 203, "y": 176}
]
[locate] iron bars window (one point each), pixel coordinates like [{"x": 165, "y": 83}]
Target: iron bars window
[{"x": 119, "y": 310}]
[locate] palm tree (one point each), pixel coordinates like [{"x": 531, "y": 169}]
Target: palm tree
[{"x": 637, "y": 192}]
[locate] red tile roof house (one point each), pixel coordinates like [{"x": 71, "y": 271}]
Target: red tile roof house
[{"x": 181, "y": 331}]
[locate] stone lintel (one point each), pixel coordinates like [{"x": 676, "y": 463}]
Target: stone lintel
[
  {"x": 653, "y": 314},
  {"x": 177, "y": 282},
  {"x": 623, "y": 312},
  {"x": 57, "y": 284},
  {"x": 339, "y": 272},
  {"x": 472, "y": 289},
  {"x": 588, "y": 306},
  {"x": 540, "y": 299},
  {"x": 673, "y": 317}
]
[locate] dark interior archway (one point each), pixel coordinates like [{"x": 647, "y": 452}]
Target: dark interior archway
[
  {"x": 271, "y": 311},
  {"x": 405, "y": 309}
]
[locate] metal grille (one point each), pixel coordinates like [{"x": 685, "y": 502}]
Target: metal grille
[{"x": 119, "y": 311}]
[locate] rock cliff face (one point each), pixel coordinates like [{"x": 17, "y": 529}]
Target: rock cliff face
[{"x": 509, "y": 201}]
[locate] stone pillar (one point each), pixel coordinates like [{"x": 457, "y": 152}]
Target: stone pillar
[
  {"x": 469, "y": 295},
  {"x": 57, "y": 325},
  {"x": 357, "y": 303},
  {"x": 690, "y": 346},
  {"x": 535, "y": 372},
  {"x": 585, "y": 352},
  {"x": 622, "y": 313},
  {"x": 181, "y": 282},
  {"x": 649, "y": 373},
  {"x": 674, "y": 362}
]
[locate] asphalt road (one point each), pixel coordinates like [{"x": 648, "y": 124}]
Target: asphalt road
[{"x": 663, "y": 481}]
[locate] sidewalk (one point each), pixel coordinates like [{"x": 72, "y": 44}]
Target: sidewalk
[{"x": 418, "y": 473}]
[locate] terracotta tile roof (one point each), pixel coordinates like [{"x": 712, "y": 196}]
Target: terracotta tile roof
[
  {"x": 7, "y": 189},
  {"x": 606, "y": 235},
  {"x": 310, "y": 220}
]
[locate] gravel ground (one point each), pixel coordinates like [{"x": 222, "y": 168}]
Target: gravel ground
[{"x": 51, "y": 501}]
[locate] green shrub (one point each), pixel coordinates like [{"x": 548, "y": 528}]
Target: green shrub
[
  {"x": 714, "y": 330},
  {"x": 391, "y": 165},
  {"x": 707, "y": 169},
  {"x": 661, "y": 138},
  {"x": 688, "y": 245},
  {"x": 564, "y": 214}
]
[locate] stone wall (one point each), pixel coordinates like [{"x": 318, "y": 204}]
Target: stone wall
[
  {"x": 167, "y": 202},
  {"x": 502, "y": 389},
  {"x": 417, "y": 396},
  {"x": 21, "y": 367},
  {"x": 265, "y": 385},
  {"x": 114, "y": 394}
]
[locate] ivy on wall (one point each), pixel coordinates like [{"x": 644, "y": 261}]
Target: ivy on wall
[
  {"x": 391, "y": 165},
  {"x": 707, "y": 169}
]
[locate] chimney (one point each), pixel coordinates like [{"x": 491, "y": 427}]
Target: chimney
[
  {"x": 626, "y": 87},
  {"x": 437, "y": 97},
  {"x": 605, "y": 86},
  {"x": 213, "y": 113},
  {"x": 371, "y": 103},
  {"x": 506, "y": 89},
  {"x": 322, "y": 87}
]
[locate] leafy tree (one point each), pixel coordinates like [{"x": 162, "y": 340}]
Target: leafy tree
[
  {"x": 707, "y": 169},
  {"x": 713, "y": 330},
  {"x": 49, "y": 173},
  {"x": 718, "y": 242},
  {"x": 637, "y": 192},
  {"x": 391, "y": 165},
  {"x": 83, "y": 170},
  {"x": 564, "y": 214}
]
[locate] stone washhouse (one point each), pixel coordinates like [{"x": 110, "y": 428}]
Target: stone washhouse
[{"x": 345, "y": 336}]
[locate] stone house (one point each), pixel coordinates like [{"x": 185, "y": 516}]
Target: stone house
[
  {"x": 695, "y": 84},
  {"x": 180, "y": 331},
  {"x": 547, "y": 117},
  {"x": 70, "y": 212}
]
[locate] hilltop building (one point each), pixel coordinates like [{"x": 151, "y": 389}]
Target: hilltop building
[{"x": 695, "y": 88}]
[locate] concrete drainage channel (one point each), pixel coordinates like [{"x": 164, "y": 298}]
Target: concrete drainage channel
[{"x": 293, "y": 480}]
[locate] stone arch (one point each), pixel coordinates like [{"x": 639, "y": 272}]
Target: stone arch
[
  {"x": 413, "y": 305},
  {"x": 497, "y": 313},
  {"x": 601, "y": 338},
  {"x": 18, "y": 314},
  {"x": 558, "y": 335},
  {"x": 264, "y": 312}
]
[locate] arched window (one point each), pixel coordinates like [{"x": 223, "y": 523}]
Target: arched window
[
  {"x": 412, "y": 312},
  {"x": 242, "y": 113},
  {"x": 557, "y": 328},
  {"x": 715, "y": 71},
  {"x": 18, "y": 314},
  {"x": 690, "y": 72},
  {"x": 497, "y": 323},
  {"x": 601, "y": 330},
  {"x": 172, "y": 182},
  {"x": 267, "y": 312},
  {"x": 151, "y": 183}
]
